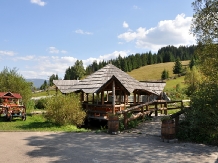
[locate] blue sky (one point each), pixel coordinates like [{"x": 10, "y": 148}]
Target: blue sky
[{"x": 45, "y": 37}]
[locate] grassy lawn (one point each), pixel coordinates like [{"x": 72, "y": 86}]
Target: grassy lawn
[
  {"x": 153, "y": 72},
  {"x": 35, "y": 123},
  {"x": 171, "y": 84}
]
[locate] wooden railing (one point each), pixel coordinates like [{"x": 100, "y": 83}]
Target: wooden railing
[{"x": 139, "y": 111}]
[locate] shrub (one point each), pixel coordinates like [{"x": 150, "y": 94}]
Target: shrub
[
  {"x": 65, "y": 110},
  {"x": 40, "y": 104},
  {"x": 201, "y": 120}
]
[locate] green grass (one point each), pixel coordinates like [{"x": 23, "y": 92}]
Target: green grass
[
  {"x": 171, "y": 84},
  {"x": 153, "y": 72},
  {"x": 35, "y": 123},
  {"x": 44, "y": 93}
]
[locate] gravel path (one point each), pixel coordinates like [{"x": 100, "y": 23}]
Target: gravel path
[{"x": 141, "y": 145}]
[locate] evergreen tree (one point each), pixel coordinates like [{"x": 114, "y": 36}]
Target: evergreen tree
[
  {"x": 177, "y": 69},
  {"x": 165, "y": 74}
]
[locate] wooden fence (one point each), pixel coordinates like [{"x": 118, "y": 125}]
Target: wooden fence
[{"x": 145, "y": 109}]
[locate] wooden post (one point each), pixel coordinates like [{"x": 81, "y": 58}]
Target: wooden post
[
  {"x": 165, "y": 106},
  {"x": 107, "y": 97},
  {"x": 155, "y": 109},
  {"x": 97, "y": 97},
  {"x": 87, "y": 97},
  {"x": 120, "y": 98},
  {"x": 125, "y": 120},
  {"x": 93, "y": 98},
  {"x": 142, "y": 110},
  {"x": 102, "y": 97},
  {"x": 82, "y": 96},
  {"x": 138, "y": 98},
  {"x": 134, "y": 100},
  {"x": 113, "y": 97}
]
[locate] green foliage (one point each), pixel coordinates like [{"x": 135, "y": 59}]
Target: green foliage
[
  {"x": 177, "y": 69},
  {"x": 177, "y": 93},
  {"x": 30, "y": 106},
  {"x": 41, "y": 103},
  {"x": 203, "y": 115},
  {"x": 192, "y": 79},
  {"x": 205, "y": 22},
  {"x": 132, "y": 62},
  {"x": 75, "y": 72},
  {"x": 51, "y": 78},
  {"x": 201, "y": 120},
  {"x": 65, "y": 110},
  {"x": 13, "y": 82},
  {"x": 165, "y": 74},
  {"x": 44, "y": 86}
]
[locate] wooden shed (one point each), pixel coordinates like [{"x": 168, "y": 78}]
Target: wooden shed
[{"x": 109, "y": 81}]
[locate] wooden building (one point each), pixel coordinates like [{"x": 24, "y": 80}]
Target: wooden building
[{"x": 107, "y": 82}]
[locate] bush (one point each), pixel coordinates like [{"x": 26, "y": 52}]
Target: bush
[
  {"x": 65, "y": 110},
  {"x": 201, "y": 120},
  {"x": 40, "y": 104}
]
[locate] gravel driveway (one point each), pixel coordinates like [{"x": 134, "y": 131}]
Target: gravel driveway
[{"x": 129, "y": 147}]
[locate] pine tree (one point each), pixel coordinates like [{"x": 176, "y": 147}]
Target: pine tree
[{"x": 177, "y": 69}]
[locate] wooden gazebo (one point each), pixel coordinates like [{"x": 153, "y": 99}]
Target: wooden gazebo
[{"x": 107, "y": 90}]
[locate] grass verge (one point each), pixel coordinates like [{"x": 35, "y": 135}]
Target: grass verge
[{"x": 36, "y": 123}]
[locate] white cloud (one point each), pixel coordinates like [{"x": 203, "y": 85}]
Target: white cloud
[
  {"x": 167, "y": 32},
  {"x": 45, "y": 66},
  {"x": 105, "y": 57},
  {"x": 54, "y": 50},
  {"x": 80, "y": 31},
  {"x": 7, "y": 53},
  {"x": 125, "y": 25},
  {"x": 38, "y": 2}
]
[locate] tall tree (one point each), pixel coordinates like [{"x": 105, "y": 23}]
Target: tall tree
[
  {"x": 165, "y": 74},
  {"x": 177, "y": 69},
  {"x": 202, "y": 119},
  {"x": 11, "y": 80}
]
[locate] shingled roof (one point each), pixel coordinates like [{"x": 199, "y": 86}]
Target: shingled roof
[
  {"x": 94, "y": 82},
  {"x": 64, "y": 85}
]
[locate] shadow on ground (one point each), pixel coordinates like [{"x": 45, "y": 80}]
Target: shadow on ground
[{"x": 126, "y": 147}]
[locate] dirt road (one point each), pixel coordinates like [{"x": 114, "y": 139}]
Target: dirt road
[{"x": 43, "y": 147}]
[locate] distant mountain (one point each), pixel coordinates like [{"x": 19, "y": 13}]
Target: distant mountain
[{"x": 36, "y": 82}]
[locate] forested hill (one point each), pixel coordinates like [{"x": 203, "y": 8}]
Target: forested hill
[{"x": 131, "y": 62}]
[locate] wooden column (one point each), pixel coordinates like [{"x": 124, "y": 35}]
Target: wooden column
[
  {"x": 165, "y": 106},
  {"x": 113, "y": 97},
  {"x": 93, "y": 98},
  {"x": 120, "y": 100},
  {"x": 124, "y": 98},
  {"x": 87, "y": 97},
  {"x": 138, "y": 97},
  {"x": 102, "y": 97},
  {"x": 134, "y": 100},
  {"x": 155, "y": 109},
  {"x": 82, "y": 96},
  {"x": 107, "y": 97},
  {"x": 97, "y": 97}
]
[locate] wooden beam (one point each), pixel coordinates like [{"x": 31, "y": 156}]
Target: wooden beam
[
  {"x": 113, "y": 97},
  {"x": 102, "y": 97}
]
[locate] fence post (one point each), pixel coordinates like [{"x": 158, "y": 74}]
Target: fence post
[
  {"x": 155, "y": 109},
  {"x": 142, "y": 110}
]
